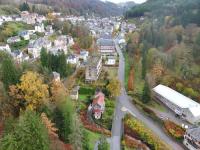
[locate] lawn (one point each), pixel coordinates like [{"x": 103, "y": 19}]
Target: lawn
[
  {"x": 127, "y": 69},
  {"x": 9, "y": 29},
  {"x": 93, "y": 138},
  {"x": 112, "y": 72},
  {"x": 155, "y": 105}
]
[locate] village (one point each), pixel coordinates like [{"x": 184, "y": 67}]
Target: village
[{"x": 97, "y": 71}]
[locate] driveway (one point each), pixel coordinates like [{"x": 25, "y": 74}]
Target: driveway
[{"x": 124, "y": 101}]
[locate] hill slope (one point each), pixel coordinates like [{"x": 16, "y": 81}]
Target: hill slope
[
  {"x": 184, "y": 11},
  {"x": 83, "y": 6}
]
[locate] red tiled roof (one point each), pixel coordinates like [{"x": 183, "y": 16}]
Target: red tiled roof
[{"x": 99, "y": 99}]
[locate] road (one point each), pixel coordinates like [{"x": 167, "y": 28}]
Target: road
[{"x": 124, "y": 101}]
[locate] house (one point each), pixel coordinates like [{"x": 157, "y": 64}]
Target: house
[
  {"x": 5, "y": 47},
  {"x": 40, "y": 18},
  {"x": 181, "y": 105},
  {"x": 19, "y": 56},
  {"x": 56, "y": 76},
  {"x": 34, "y": 47},
  {"x": 28, "y": 18},
  {"x": 59, "y": 46},
  {"x": 49, "y": 30},
  {"x": 13, "y": 39},
  {"x": 73, "y": 59},
  {"x": 70, "y": 40},
  {"x": 98, "y": 105},
  {"x": 24, "y": 34},
  {"x": 192, "y": 138},
  {"x": 74, "y": 93},
  {"x": 93, "y": 68},
  {"x": 106, "y": 47},
  {"x": 84, "y": 55},
  {"x": 111, "y": 61},
  {"x": 39, "y": 27}
]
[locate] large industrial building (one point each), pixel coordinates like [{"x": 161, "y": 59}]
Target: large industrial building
[{"x": 183, "y": 106}]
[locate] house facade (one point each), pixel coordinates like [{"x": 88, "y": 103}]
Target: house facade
[
  {"x": 93, "y": 68},
  {"x": 192, "y": 138},
  {"x": 106, "y": 47},
  {"x": 181, "y": 105},
  {"x": 5, "y": 47},
  {"x": 98, "y": 105}
]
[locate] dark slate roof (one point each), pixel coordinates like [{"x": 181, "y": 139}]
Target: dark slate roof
[
  {"x": 106, "y": 42},
  {"x": 194, "y": 132}
]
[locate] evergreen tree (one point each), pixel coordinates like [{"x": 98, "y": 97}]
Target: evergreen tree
[
  {"x": 62, "y": 65},
  {"x": 63, "y": 119},
  {"x": 10, "y": 75},
  {"x": 85, "y": 140},
  {"x": 29, "y": 134},
  {"x": 146, "y": 96},
  {"x": 24, "y": 7},
  {"x": 44, "y": 57},
  {"x": 144, "y": 64}
]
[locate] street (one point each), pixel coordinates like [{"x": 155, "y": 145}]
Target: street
[{"x": 123, "y": 101}]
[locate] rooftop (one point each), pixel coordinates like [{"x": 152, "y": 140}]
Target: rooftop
[
  {"x": 194, "y": 132},
  {"x": 94, "y": 60},
  {"x": 178, "y": 99}
]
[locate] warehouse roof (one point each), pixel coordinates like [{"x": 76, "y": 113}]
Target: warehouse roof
[{"x": 178, "y": 99}]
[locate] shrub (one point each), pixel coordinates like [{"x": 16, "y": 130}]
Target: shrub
[
  {"x": 174, "y": 130},
  {"x": 145, "y": 134}
]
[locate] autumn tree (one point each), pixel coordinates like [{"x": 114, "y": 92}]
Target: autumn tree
[
  {"x": 30, "y": 133},
  {"x": 58, "y": 91},
  {"x": 131, "y": 80},
  {"x": 114, "y": 87},
  {"x": 10, "y": 75},
  {"x": 31, "y": 92}
]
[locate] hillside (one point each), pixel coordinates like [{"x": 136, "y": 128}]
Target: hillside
[
  {"x": 183, "y": 11},
  {"x": 83, "y": 6}
]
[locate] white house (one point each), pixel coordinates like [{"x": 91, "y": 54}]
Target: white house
[
  {"x": 13, "y": 39},
  {"x": 192, "y": 138},
  {"x": 70, "y": 40},
  {"x": 56, "y": 76},
  {"x": 5, "y": 47},
  {"x": 73, "y": 59},
  {"x": 24, "y": 34},
  {"x": 39, "y": 27},
  {"x": 183, "y": 106},
  {"x": 19, "y": 56},
  {"x": 84, "y": 55},
  {"x": 34, "y": 47},
  {"x": 111, "y": 60}
]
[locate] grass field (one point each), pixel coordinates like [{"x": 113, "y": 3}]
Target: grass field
[{"x": 93, "y": 138}]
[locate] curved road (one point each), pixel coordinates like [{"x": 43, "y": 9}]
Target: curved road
[{"x": 123, "y": 101}]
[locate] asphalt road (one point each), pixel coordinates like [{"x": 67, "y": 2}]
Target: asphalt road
[{"x": 124, "y": 101}]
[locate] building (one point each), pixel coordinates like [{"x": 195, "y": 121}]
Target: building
[
  {"x": 74, "y": 93},
  {"x": 111, "y": 61},
  {"x": 24, "y": 34},
  {"x": 98, "y": 105},
  {"x": 106, "y": 47},
  {"x": 13, "y": 39},
  {"x": 39, "y": 27},
  {"x": 73, "y": 59},
  {"x": 19, "y": 56},
  {"x": 84, "y": 55},
  {"x": 34, "y": 47},
  {"x": 181, "y": 105},
  {"x": 192, "y": 138},
  {"x": 5, "y": 47},
  {"x": 93, "y": 68},
  {"x": 29, "y": 18},
  {"x": 56, "y": 76}
]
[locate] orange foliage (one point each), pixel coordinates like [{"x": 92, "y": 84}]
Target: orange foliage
[{"x": 131, "y": 80}]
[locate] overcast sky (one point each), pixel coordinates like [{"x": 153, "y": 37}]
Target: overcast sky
[{"x": 118, "y": 1}]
